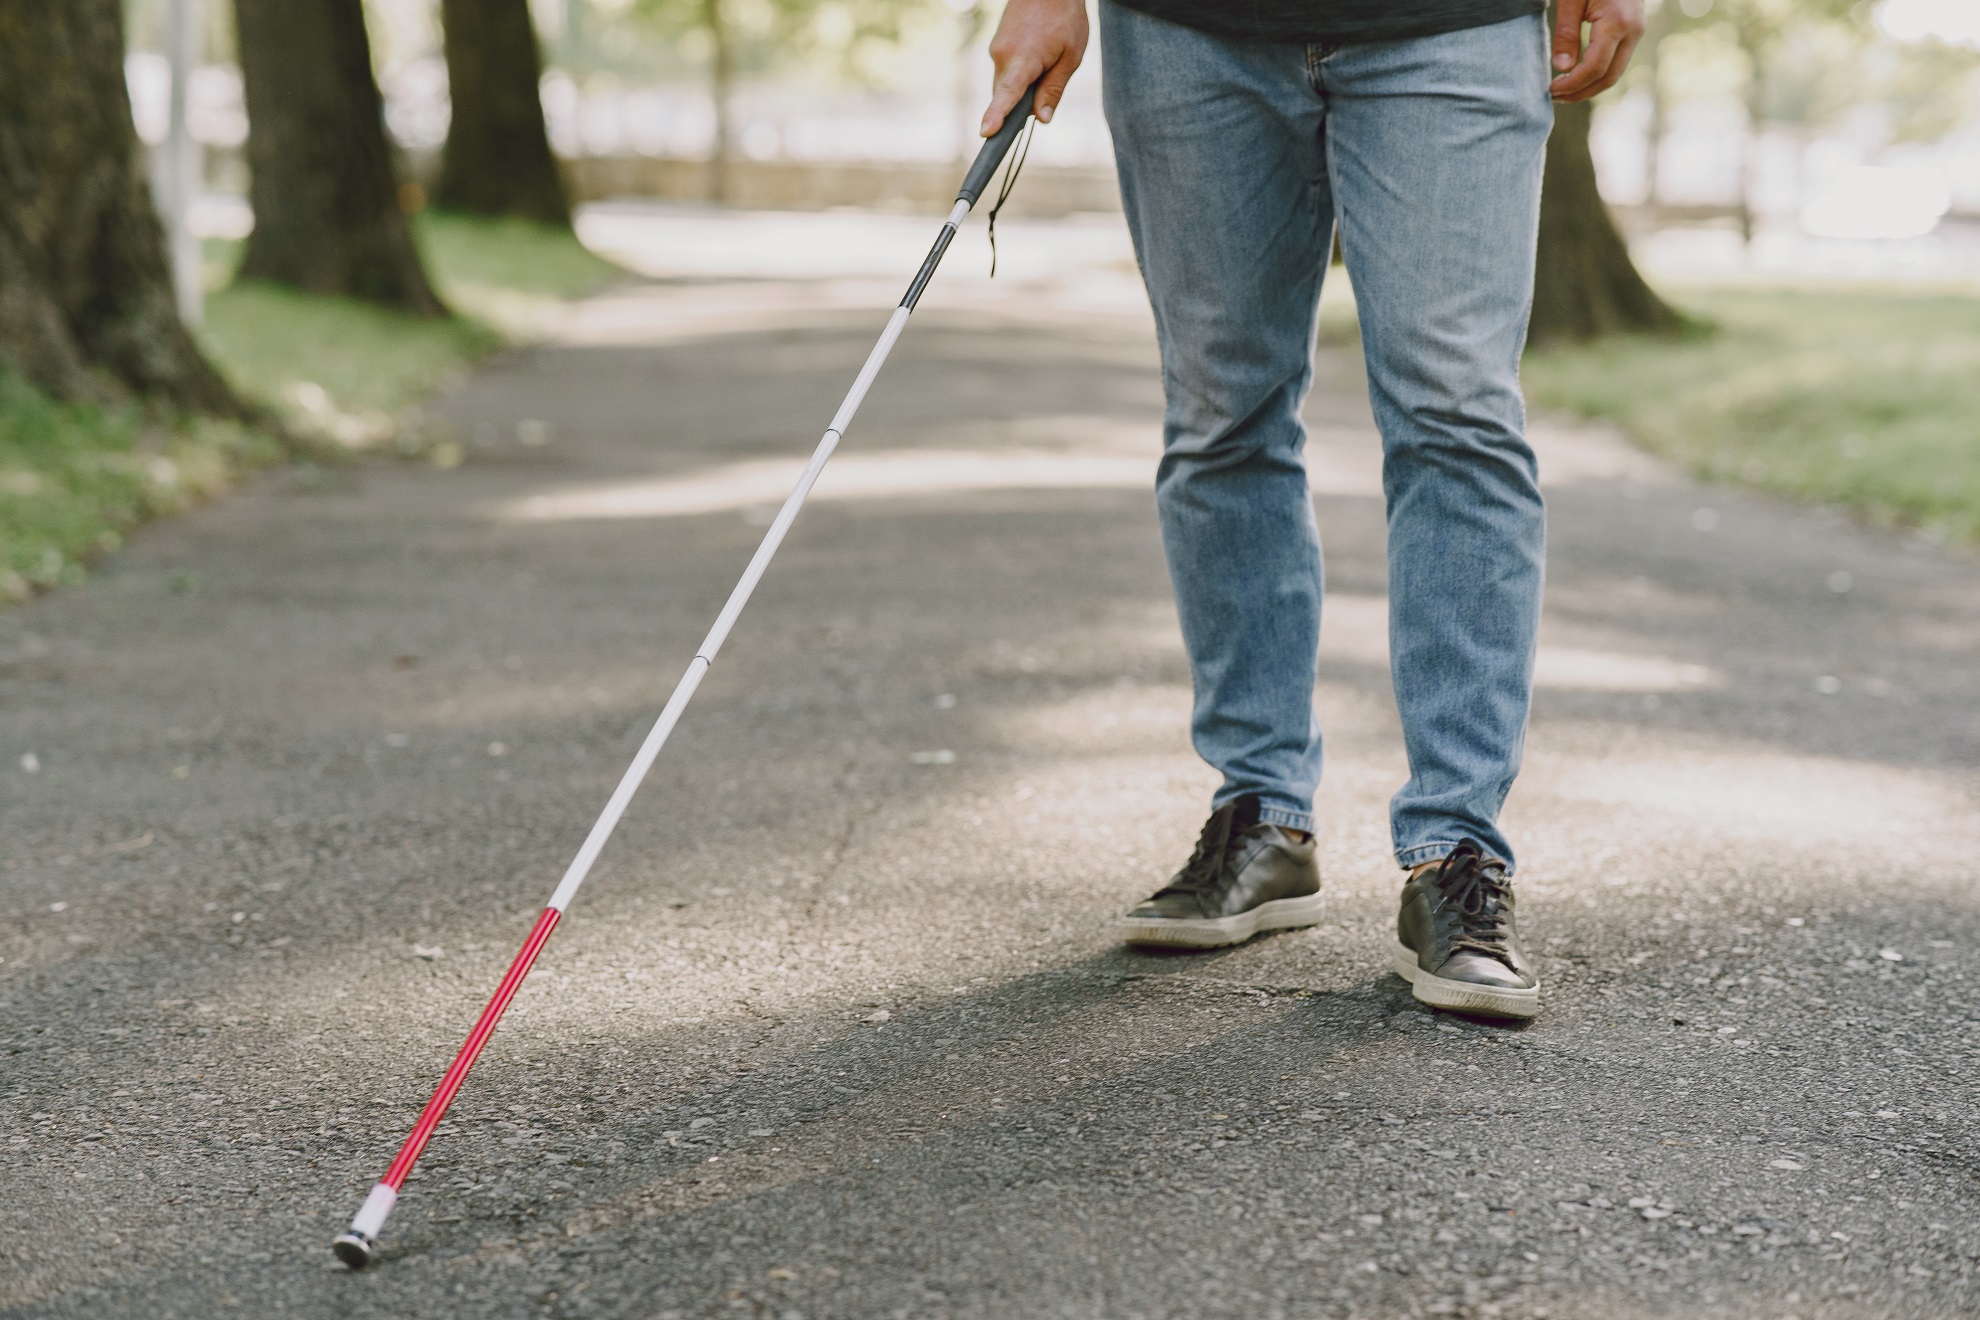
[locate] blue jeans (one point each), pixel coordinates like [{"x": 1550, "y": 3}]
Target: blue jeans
[{"x": 1236, "y": 159}]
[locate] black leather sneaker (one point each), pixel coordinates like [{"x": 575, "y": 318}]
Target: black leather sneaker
[
  {"x": 1244, "y": 877},
  {"x": 1456, "y": 943}
]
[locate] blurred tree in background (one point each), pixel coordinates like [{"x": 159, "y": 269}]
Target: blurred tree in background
[
  {"x": 1801, "y": 65},
  {"x": 326, "y": 195},
  {"x": 1796, "y": 64},
  {"x": 497, "y": 159},
  {"x": 1585, "y": 284},
  {"x": 743, "y": 35},
  {"x": 86, "y": 302},
  {"x": 1800, "y": 55}
]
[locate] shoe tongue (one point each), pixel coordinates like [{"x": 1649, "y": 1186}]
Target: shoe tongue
[
  {"x": 1463, "y": 860},
  {"x": 1222, "y": 833}
]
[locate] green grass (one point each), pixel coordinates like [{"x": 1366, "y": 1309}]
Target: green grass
[
  {"x": 472, "y": 257},
  {"x": 74, "y": 479},
  {"x": 270, "y": 340},
  {"x": 1865, "y": 398},
  {"x": 343, "y": 370}
]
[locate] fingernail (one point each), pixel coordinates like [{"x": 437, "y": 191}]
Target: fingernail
[
  {"x": 1564, "y": 61},
  {"x": 1044, "y": 114}
]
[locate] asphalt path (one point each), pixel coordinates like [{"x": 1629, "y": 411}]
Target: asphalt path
[{"x": 840, "y": 1027}]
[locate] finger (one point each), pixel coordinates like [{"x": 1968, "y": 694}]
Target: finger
[
  {"x": 1579, "y": 83},
  {"x": 1617, "y": 66},
  {"x": 1567, "y": 34},
  {"x": 1012, "y": 79},
  {"x": 1053, "y": 86}
]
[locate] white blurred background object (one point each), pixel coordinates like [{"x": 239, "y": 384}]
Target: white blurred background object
[{"x": 1871, "y": 201}]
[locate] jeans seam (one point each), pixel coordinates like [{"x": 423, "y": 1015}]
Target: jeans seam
[
  {"x": 1437, "y": 850},
  {"x": 1286, "y": 819},
  {"x": 1316, "y": 56}
]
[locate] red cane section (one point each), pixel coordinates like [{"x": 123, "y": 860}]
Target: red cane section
[{"x": 436, "y": 1108}]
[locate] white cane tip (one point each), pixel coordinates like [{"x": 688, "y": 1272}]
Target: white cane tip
[{"x": 354, "y": 1249}]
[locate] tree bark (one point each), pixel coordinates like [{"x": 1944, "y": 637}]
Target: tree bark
[
  {"x": 497, "y": 159},
  {"x": 86, "y": 303},
  {"x": 325, "y": 194},
  {"x": 1585, "y": 284}
]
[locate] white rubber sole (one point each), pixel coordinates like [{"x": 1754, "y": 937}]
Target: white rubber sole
[
  {"x": 1464, "y": 996},
  {"x": 1209, "y": 933}
]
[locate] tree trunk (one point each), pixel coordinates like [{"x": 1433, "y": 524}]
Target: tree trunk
[
  {"x": 325, "y": 195},
  {"x": 86, "y": 303},
  {"x": 1651, "y": 53},
  {"x": 497, "y": 160},
  {"x": 721, "y": 74},
  {"x": 1749, "y": 142},
  {"x": 1585, "y": 284}
]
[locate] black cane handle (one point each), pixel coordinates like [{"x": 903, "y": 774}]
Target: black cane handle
[{"x": 996, "y": 147}]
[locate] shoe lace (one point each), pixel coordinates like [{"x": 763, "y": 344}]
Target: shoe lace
[
  {"x": 1205, "y": 868},
  {"x": 1477, "y": 887}
]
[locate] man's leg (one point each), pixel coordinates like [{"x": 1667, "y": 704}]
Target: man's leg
[
  {"x": 1435, "y": 149},
  {"x": 1223, "y": 180}
]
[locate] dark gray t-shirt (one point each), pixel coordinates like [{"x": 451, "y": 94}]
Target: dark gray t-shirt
[{"x": 1333, "y": 22}]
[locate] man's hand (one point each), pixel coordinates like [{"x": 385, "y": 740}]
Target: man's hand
[
  {"x": 1042, "y": 36},
  {"x": 1615, "y": 26}
]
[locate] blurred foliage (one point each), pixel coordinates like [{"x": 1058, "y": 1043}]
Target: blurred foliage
[
  {"x": 343, "y": 375},
  {"x": 1808, "y": 63},
  {"x": 1868, "y": 399},
  {"x": 75, "y": 478},
  {"x": 506, "y": 276},
  {"x": 1813, "y": 71},
  {"x": 1929, "y": 86},
  {"x": 275, "y": 343},
  {"x": 1801, "y": 60},
  {"x": 1817, "y": 60},
  {"x": 853, "y": 40},
  {"x": 472, "y": 253}
]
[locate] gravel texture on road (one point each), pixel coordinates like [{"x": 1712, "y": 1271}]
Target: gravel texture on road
[{"x": 840, "y": 1028}]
